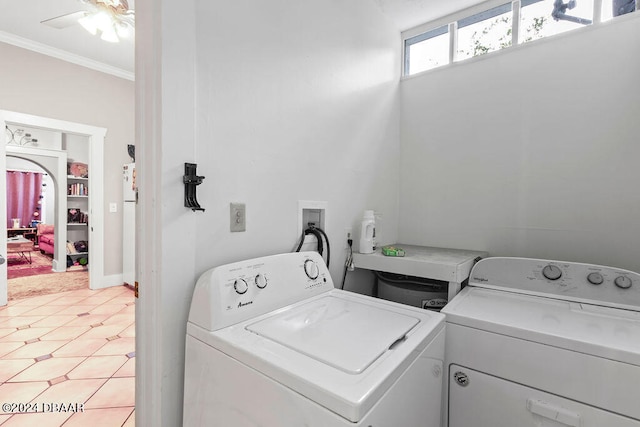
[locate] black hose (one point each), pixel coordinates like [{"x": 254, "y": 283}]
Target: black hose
[
  {"x": 319, "y": 246},
  {"x": 301, "y": 241},
  {"x": 328, "y": 247},
  {"x": 347, "y": 263},
  {"x": 320, "y": 234}
]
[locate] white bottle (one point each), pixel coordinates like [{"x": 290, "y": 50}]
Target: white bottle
[{"x": 367, "y": 233}]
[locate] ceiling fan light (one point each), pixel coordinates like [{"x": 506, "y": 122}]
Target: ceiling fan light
[
  {"x": 109, "y": 35},
  {"x": 103, "y": 21},
  {"x": 89, "y": 24}
]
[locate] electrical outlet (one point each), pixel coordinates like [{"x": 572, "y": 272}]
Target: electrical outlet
[
  {"x": 237, "y": 217},
  {"x": 348, "y": 234}
]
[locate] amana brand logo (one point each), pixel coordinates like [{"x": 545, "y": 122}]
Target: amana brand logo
[
  {"x": 242, "y": 304},
  {"x": 480, "y": 279}
]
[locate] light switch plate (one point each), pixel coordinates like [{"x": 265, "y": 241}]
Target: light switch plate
[
  {"x": 237, "y": 217},
  {"x": 113, "y": 207}
]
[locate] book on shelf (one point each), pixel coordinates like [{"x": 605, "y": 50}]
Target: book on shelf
[
  {"x": 76, "y": 216},
  {"x": 78, "y": 189}
]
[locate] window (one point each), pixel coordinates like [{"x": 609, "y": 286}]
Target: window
[
  {"x": 494, "y": 29},
  {"x": 544, "y": 18},
  {"x": 484, "y": 32},
  {"x": 426, "y": 51},
  {"x": 613, "y": 8}
]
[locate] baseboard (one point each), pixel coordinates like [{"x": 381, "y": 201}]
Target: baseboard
[
  {"x": 108, "y": 282},
  {"x": 57, "y": 267}
]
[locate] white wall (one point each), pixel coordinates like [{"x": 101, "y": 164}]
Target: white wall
[
  {"x": 292, "y": 101},
  {"x": 296, "y": 101},
  {"x": 44, "y": 86},
  {"x": 45, "y": 138},
  {"x": 77, "y": 148},
  {"x": 529, "y": 152}
]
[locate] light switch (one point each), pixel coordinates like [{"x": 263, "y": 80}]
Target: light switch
[
  {"x": 113, "y": 207},
  {"x": 237, "y": 217}
]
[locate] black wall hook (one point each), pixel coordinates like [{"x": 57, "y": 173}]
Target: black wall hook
[{"x": 190, "y": 180}]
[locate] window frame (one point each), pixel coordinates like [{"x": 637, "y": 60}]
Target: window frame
[
  {"x": 485, "y": 15},
  {"x": 436, "y": 32},
  {"x": 451, "y": 22}
]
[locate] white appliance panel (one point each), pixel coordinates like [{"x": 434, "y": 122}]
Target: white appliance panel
[
  {"x": 596, "y": 381},
  {"x": 351, "y": 395},
  {"x": 224, "y": 392},
  {"x": 219, "y": 302},
  {"x": 547, "y": 343},
  {"x": 344, "y": 334},
  {"x": 129, "y": 243},
  {"x": 478, "y": 399},
  {"x": 128, "y": 182},
  {"x": 604, "y": 331},
  {"x": 570, "y": 281},
  {"x": 275, "y": 294}
]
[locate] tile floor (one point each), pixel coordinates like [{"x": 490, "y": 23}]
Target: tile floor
[{"x": 75, "y": 347}]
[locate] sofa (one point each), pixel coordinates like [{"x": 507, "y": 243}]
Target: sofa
[{"x": 45, "y": 238}]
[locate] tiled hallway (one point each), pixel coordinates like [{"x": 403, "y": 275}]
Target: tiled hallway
[{"x": 76, "y": 347}]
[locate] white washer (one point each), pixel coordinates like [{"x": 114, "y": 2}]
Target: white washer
[
  {"x": 270, "y": 342},
  {"x": 544, "y": 343}
]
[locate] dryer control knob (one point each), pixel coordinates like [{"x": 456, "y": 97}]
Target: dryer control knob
[
  {"x": 595, "y": 278},
  {"x": 261, "y": 281},
  {"x": 311, "y": 269},
  {"x": 240, "y": 286},
  {"x": 552, "y": 272},
  {"x": 623, "y": 282}
]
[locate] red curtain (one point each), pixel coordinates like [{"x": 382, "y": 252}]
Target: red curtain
[{"x": 23, "y": 194}]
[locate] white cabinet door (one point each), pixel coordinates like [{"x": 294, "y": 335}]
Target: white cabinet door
[{"x": 480, "y": 400}]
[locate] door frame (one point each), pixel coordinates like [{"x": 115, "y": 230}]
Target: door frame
[
  {"x": 55, "y": 163},
  {"x": 96, "y": 136}
]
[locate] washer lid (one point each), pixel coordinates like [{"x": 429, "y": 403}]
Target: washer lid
[
  {"x": 339, "y": 321},
  {"x": 340, "y": 333}
]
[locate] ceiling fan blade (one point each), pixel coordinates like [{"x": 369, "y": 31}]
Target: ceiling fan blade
[{"x": 64, "y": 21}]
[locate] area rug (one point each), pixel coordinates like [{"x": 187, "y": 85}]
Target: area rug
[
  {"x": 19, "y": 267},
  {"x": 30, "y": 286}
]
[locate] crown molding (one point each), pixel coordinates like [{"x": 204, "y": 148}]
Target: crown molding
[{"x": 44, "y": 49}]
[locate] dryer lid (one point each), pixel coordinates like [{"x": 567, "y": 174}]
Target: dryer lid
[
  {"x": 341, "y": 333},
  {"x": 606, "y": 332}
]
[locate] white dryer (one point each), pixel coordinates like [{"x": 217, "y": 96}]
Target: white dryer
[
  {"x": 271, "y": 343},
  {"x": 544, "y": 343}
]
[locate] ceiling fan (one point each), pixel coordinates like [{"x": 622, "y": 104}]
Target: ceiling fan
[{"x": 112, "y": 19}]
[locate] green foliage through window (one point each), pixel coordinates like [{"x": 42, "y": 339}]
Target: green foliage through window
[{"x": 493, "y": 29}]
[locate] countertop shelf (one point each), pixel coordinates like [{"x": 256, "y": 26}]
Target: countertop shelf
[{"x": 449, "y": 265}]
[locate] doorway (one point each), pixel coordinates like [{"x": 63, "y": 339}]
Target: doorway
[
  {"x": 31, "y": 203},
  {"x": 58, "y": 161},
  {"x": 79, "y": 345}
]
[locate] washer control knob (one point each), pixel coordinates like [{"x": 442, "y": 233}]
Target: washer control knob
[
  {"x": 261, "y": 281},
  {"x": 240, "y": 285},
  {"x": 595, "y": 278},
  {"x": 623, "y": 282},
  {"x": 311, "y": 269},
  {"x": 552, "y": 272}
]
